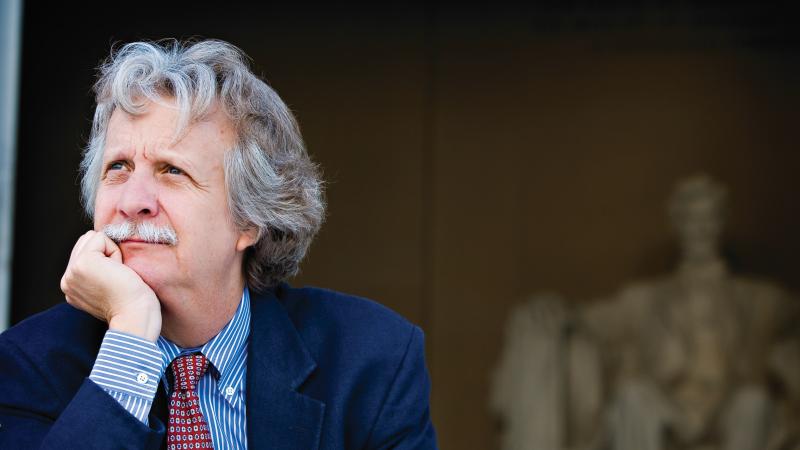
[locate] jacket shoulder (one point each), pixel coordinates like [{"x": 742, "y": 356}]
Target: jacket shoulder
[
  {"x": 54, "y": 348},
  {"x": 341, "y": 327},
  {"x": 59, "y": 328},
  {"x": 346, "y": 314}
]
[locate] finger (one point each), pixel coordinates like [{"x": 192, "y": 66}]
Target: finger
[
  {"x": 76, "y": 249},
  {"x": 88, "y": 236},
  {"x": 101, "y": 243},
  {"x": 72, "y": 301},
  {"x": 111, "y": 249},
  {"x": 95, "y": 243},
  {"x": 63, "y": 284}
]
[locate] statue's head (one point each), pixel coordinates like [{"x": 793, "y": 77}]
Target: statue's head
[{"x": 697, "y": 210}]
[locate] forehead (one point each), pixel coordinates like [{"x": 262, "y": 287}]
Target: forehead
[{"x": 156, "y": 131}]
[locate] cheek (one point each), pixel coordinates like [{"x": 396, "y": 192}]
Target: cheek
[
  {"x": 103, "y": 210},
  {"x": 202, "y": 221},
  {"x": 217, "y": 230},
  {"x": 193, "y": 217}
]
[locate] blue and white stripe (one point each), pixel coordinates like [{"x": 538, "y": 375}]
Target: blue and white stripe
[{"x": 127, "y": 367}]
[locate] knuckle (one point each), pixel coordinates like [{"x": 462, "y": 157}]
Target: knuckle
[
  {"x": 69, "y": 275},
  {"x": 78, "y": 268}
]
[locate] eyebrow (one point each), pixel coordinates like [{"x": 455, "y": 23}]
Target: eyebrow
[
  {"x": 157, "y": 156},
  {"x": 169, "y": 156},
  {"x": 112, "y": 154}
]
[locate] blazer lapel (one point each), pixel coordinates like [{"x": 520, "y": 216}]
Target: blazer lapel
[
  {"x": 277, "y": 364},
  {"x": 160, "y": 410}
]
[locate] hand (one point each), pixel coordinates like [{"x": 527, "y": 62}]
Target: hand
[{"x": 98, "y": 283}]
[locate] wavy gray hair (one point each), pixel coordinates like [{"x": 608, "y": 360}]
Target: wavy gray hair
[{"x": 272, "y": 183}]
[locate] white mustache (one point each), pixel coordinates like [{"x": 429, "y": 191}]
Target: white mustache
[{"x": 146, "y": 231}]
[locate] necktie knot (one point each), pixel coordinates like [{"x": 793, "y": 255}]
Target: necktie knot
[{"x": 187, "y": 371}]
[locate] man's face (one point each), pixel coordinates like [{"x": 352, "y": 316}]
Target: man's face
[{"x": 146, "y": 177}]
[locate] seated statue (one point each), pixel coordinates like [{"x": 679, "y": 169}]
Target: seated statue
[{"x": 697, "y": 360}]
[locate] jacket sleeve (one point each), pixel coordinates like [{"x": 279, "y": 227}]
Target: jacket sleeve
[
  {"x": 404, "y": 421},
  {"x": 35, "y": 413}
]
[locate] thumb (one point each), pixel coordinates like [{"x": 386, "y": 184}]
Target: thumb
[
  {"x": 111, "y": 249},
  {"x": 100, "y": 243}
]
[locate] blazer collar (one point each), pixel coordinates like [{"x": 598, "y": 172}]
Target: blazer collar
[{"x": 278, "y": 363}]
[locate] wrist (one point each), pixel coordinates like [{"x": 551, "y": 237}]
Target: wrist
[{"x": 143, "y": 319}]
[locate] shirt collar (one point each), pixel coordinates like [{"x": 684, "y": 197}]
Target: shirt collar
[{"x": 227, "y": 351}]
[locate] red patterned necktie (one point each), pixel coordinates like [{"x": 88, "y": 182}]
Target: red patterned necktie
[{"x": 187, "y": 427}]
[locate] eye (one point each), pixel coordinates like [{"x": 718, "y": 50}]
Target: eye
[
  {"x": 116, "y": 165},
  {"x": 172, "y": 170}
]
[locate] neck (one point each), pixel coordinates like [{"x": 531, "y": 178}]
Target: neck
[{"x": 201, "y": 315}]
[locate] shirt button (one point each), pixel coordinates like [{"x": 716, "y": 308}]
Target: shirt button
[
  {"x": 142, "y": 378},
  {"x": 229, "y": 390}
]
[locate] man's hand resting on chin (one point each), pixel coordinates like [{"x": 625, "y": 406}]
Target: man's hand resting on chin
[{"x": 98, "y": 283}]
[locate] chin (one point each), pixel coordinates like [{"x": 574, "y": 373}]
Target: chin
[{"x": 154, "y": 270}]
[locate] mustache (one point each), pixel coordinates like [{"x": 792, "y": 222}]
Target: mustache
[{"x": 145, "y": 231}]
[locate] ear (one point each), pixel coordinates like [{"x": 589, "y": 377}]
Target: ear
[{"x": 246, "y": 239}]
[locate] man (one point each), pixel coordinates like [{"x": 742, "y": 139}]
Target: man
[{"x": 180, "y": 330}]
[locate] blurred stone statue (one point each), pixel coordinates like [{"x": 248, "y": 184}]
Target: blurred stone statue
[
  {"x": 548, "y": 383},
  {"x": 696, "y": 360}
]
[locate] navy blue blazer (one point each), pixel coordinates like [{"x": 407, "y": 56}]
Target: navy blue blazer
[{"x": 325, "y": 371}]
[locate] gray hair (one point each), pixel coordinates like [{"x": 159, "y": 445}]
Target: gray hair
[{"x": 272, "y": 184}]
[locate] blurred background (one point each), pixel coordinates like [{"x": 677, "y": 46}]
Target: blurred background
[{"x": 473, "y": 154}]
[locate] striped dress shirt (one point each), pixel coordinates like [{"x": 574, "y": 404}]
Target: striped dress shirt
[{"x": 129, "y": 369}]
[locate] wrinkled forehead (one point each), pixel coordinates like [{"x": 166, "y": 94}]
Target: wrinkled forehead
[{"x": 160, "y": 125}]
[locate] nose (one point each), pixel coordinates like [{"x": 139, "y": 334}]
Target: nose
[{"x": 139, "y": 198}]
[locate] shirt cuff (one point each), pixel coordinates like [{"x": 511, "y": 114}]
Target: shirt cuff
[{"x": 129, "y": 369}]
